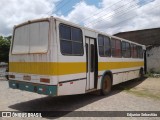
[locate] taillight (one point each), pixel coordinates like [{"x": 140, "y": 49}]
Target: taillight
[
  {"x": 60, "y": 84},
  {"x": 26, "y": 77},
  {"x": 46, "y": 80},
  {"x": 12, "y": 76}
]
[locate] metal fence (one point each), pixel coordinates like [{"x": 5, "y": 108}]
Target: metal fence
[
  {"x": 2, "y": 76},
  {"x": 3, "y": 68}
]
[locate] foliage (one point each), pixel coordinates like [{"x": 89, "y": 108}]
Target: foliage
[
  {"x": 149, "y": 74},
  {"x": 4, "y": 48},
  {"x": 153, "y": 74}
]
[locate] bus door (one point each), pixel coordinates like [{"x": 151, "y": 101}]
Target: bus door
[{"x": 91, "y": 60}]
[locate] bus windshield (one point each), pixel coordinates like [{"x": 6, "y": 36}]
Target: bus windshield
[{"x": 31, "y": 38}]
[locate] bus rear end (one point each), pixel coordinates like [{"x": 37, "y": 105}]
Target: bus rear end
[{"x": 31, "y": 65}]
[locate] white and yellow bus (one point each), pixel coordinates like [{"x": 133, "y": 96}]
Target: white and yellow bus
[{"x": 55, "y": 57}]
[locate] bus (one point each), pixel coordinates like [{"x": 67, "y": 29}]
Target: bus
[{"x": 55, "y": 57}]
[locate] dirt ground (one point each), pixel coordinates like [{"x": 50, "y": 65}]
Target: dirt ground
[
  {"x": 149, "y": 88},
  {"x": 134, "y": 95}
]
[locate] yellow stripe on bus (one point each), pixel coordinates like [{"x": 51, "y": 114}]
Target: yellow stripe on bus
[
  {"x": 118, "y": 65},
  {"x": 64, "y": 68},
  {"x": 47, "y": 68}
]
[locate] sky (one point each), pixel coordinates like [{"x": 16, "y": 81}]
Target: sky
[{"x": 110, "y": 16}]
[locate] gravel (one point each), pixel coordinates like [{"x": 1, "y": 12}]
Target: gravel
[{"x": 134, "y": 95}]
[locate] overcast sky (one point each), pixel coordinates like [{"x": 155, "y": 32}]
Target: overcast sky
[{"x": 111, "y": 16}]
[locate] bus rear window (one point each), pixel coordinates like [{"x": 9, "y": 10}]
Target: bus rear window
[{"x": 31, "y": 38}]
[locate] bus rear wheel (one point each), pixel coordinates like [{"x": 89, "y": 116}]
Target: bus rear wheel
[{"x": 106, "y": 85}]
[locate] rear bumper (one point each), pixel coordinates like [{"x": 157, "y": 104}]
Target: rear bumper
[{"x": 33, "y": 87}]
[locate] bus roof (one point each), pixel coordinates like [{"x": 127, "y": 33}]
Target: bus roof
[{"x": 80, "y": 26}]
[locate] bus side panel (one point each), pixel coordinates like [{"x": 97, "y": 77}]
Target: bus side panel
[
  {"x": 72, "y": 87},
  {"x": 71, "y": 69},
  {"x": 132, "y": 75},
  {"x": 121, "y": 75}
]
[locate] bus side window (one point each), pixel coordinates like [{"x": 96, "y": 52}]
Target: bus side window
[
  {"x": 140, "y": 52},
  {"x": 71, "y": 40},
  {"x": 126, "y": 50},
  {"x": 101, "y": 45},
  {"x": 107, "y": 48},
  {"x": 116, "y": 48},
  {"x": 134, "y": 51},
  {"x": 104, "y": 46}
]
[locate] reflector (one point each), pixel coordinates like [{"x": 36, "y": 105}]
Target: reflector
[{"x": 46, "y": 80}]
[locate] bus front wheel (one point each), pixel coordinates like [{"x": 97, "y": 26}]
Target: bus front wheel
[{"x": 106, "y": 85}]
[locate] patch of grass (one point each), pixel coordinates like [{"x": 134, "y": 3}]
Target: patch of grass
[
  {"x": 152, "y": 74},
  {"x": 144, "y": 93},
  {"x": 149, "y": 74}
]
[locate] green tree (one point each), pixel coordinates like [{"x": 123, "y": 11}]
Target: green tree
[{"x": 4, "y": 48}]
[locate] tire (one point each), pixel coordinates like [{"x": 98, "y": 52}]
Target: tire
[
  {"x": 141, "y": 73},
  {"x": 106, "y": 85}
]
